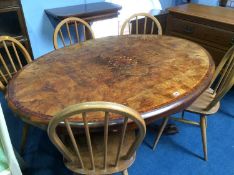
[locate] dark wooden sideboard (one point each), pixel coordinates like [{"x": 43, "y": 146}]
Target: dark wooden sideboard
[
  {"x": 211, "y": 27},
  {"x": 88, "y": 12},
  {"x": 12, "y": 22}
]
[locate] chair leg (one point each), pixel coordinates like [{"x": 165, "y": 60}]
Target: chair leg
[
  {"x": 164, "y": 123},
  {"x": 203, "y": 132},
  {"x": 125, "y": 172},
  {"x": 24, "y": 137}
]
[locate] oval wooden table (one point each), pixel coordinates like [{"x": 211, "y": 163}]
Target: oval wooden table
[{"x": 155, "y": 75}]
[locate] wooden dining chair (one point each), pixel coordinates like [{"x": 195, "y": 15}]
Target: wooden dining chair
[
  {"x": 133, "y": 26},
  {"x": 13, "y": 56},
  {"x": 209, "y": 101},
  {"x": 71, "y": 30},
  {"x": 104, "y": 152}
]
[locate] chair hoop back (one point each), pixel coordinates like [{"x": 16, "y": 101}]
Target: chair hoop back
[
  {"x": 11, "y": 61},
  {"x": 223, "y": 77},
  {"x": 88, "y": 107},
  {"x": 66, "y": 23},
  {"x": 135, "y": 17}
]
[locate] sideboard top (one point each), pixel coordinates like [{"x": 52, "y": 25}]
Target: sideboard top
[{"x": 219, "y": 14}]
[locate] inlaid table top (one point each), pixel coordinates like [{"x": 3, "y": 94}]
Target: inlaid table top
[{"x": 155, "y": 75}]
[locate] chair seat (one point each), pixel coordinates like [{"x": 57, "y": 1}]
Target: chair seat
[
  {"x": 201, "y": 103},
  {"x": 98, "y": 151}
]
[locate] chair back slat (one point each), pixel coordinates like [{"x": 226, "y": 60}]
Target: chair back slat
[
  {"x": 152, "y": 27},
  {"x": 224, "y": 73},
  {"x": 62, "y": 37},
  {"x": 145, "y": 24},
  {"x": 137, "y": 25},
  {"x": 226, "y": 87},
  {"x": 223, "y": 76},
  {"x": 9, "y": 56},
  {"x": 67, "y": 25},
  {"x": 77, "y": 32},
  {"x": 146, "y": 16},
  {"x": 106, "y": 138},
  {"x": 129, "y": 28},
  {"x": 5, "y": 66},
  {"x": 222, "y": 63},
  {"x": 3, "y": 76},
  {"x": 73, "y": 140},
  {"x": 88, "y": 140},
  {"x": 121, "y": 140},
  {"x": 84, "y": 30},
  {"x": 99, "y": 161},
  {"x": 13, "y": 57},
  {"x": 17, "y": 55},
  {"x": 68, "y": 32}
]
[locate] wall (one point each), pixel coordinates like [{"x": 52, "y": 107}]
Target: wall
[
  {"x": 207, "y": 2},
  {"x": 40, "y": 28},
  {"x": 169, "y": 3}
]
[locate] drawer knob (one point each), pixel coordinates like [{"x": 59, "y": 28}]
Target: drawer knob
[{"x": 188, "y": 29}]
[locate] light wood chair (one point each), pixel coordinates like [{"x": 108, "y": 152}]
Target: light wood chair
[
  {"x": 13, "y": 56},
  {"x": 11, "y": 166},
  {"x": 12, "y": 60},
  {"x": 209, "y": 101},
  {"x": 131, "y": 25},
  {"x": 104, "y": 152},
  {"x": 64, "y": 27}
]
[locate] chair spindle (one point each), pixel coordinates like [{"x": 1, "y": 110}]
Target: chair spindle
[
  {"x": 152, "y": 27},
  {"x": 3, "y": 76},
  {"x": 62, "y": 38},
  {"x": 9, "y": 56},
  {"x": 228, "y": 74},
  {"x": 16, "y": 54},
  {"x": 84, "y": 29},
  {"x": 77, "y": 33},
  {"x": 129, "y": 28},
  {"x": 5, "y": 66},
  {"x": 106, "y": 138},
  {"x": 137, "y": 25},
  {"x": 75, "y": 146},
  {"x": 121, "y": 140},
  {"x": 68, "y": 32},
  {"x": 224, "y": 74},
  {"x": 145, "y": 25},
  {"x": 88, "y": 140}
]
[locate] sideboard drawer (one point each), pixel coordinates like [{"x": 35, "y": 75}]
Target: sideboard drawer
[{"x": 203, "y": 32}]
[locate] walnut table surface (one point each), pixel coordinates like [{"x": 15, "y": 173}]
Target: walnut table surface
[{"x": 155, "y": 75}]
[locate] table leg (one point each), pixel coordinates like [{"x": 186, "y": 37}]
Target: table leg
[
  {"x": 24, "y": 137},
  {"x": 164, "y": 123}
]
